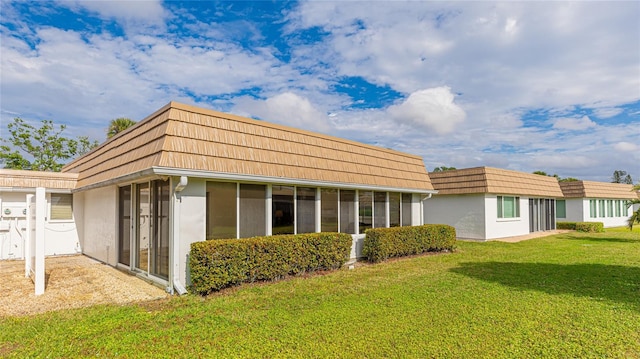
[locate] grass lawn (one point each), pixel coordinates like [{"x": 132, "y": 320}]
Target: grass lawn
[{"x": 564, "y": 296}]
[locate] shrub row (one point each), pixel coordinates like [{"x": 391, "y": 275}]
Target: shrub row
[
  {"x": 383, "y": 243},
  {"x": 566, "y": 225},
  {"x": 220, "y": 263},
  {"x": 591, "y": 227}
]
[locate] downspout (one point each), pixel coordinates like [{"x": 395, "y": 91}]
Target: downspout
[{"x": 176, "y": 284}]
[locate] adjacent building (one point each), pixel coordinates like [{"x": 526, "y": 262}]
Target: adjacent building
[
  {"x": 59, "y": 222},
  {"x": 588, "y": 201},
  {"x": 487, "y": 203}
]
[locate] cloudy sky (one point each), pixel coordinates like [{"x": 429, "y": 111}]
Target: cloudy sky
[{"x": 552, "y": 86}]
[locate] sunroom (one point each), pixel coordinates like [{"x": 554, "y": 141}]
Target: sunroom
[{"x": 186, "y": 174}]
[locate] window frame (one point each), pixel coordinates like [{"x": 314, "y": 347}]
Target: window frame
[
  {"x": 52, "y": 205},
  {"x": 500, "y": 207}
]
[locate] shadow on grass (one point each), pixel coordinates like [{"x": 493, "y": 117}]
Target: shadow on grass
[
  {"x": 609, "y": 282},
  {"x": 605, "y": 239}
]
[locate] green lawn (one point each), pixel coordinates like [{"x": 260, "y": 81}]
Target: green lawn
[{"x": 564, "y": 296}]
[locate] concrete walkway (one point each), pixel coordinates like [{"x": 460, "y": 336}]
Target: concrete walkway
[{"x": 71, "y": 282}]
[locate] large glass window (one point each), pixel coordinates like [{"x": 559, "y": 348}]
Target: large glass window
[
  {"x": 394, "y": 209},
  {"x": 406, "y": 209},
  {"x": 306, "y": 208},
  {"x": 379, "y": 209},
  {"x": 253, "y": 219},
  {"x": 329, "y": 210},
  {"x": 221, "y": 210},
  {"x": 508, "y": 207},
  {"x": 159, "y": 253},
  {"x": 365, "y": 210},
  {"x": 601, "y": 208},
  {"x": 561, "y": 208},
  {"x": 593, "y": 211},
  {"x": 61, "y": 206},
  {"x": 347, "y": 211},
  {"x": 609, "y": 208},
  {"x": 282, "y": 212}
]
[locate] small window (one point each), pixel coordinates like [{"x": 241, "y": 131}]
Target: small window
[
  {"x": 508, "y": 207},
  {"x": 561, "y": 208},
  {"x": 593, "y": 211},
  {"x": 61, "y": 206},
  {"x": 601, "y": 208}
]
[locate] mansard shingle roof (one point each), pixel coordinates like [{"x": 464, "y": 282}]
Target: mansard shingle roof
[
  {"x": 190, "y": 138},
  {"x": 494, "y": 180},
  {"x": 591, "y": 189}
]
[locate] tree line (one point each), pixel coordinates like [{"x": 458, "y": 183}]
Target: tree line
[{"x": 46, "y": 148}]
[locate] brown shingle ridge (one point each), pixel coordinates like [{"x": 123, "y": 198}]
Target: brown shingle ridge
[
  {"x": 593, "y": 189},
  {"x": 187, "y": 137},
  {"x": 32, "y": 179},
  {"x": 229, "y": 116},
  {"x": 485, "y": 179}
]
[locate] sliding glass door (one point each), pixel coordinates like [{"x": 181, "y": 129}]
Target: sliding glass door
[{"x": 151, "y": 235}]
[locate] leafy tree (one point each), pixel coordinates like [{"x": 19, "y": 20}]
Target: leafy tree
[
  {"x": 118, "y": 125},
  {"x": 560, "y": 179},
  {"x": 48, "y": 147},
  {"x": 443, "y": 168},
  {"x": 635, "y": 218},
  {"x": 620, "y": 176}
]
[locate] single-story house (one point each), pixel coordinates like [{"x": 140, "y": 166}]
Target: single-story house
[
  {"x": 486, "y": 203},
  {"x": 588, "y": 201},
  {"x": 59, "y": 224},
  {"x": 185, "y": 174}
]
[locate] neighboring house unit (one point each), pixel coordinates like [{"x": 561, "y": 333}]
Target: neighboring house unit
[
  {"x": 60, "y": 228},
  {"x": 587, "y": 201},
  {"x": 185, "y": 174},
  {"x": 487, "y": 203}
]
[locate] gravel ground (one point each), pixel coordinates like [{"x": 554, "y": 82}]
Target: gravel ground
[{"x": 71, "y": 282}]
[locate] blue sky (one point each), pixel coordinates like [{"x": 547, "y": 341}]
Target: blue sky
[{"x": 552, "y": 86}]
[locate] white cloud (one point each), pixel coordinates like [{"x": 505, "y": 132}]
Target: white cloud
[
  {"x": 286, "y": 108},
  {"x": 433, "y": 108},
  {"x": 576, "y": 124},
  {"x": 128, "y": 13},
  {"x": 607, "y": 112},
  {"x": 626, "y": 147}
]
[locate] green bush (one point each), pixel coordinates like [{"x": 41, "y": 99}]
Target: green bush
[
  {"x": 566, "y": 225},
  {"x": 220, "y": 263},
  {"x": 383, "y": 243},
  {"x": 590, "y": 227}
]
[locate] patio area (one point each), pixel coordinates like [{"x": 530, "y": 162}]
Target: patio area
[{"x": 71, "y": 282}]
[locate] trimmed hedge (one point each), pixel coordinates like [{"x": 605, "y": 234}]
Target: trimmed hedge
[
  {"x": 566, "y": 225},
  {"x": 220, "y": 263},
  {"x": 591, "y": 227},
  {"x": 383, "y": 243}
]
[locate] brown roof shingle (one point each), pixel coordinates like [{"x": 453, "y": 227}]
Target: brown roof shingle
[
  {"x": 33, "y": 179},
  {"x": 191, "y": 138},
  {"x": 494, "y": 180},
  {"x": 591, "y": 189}
]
